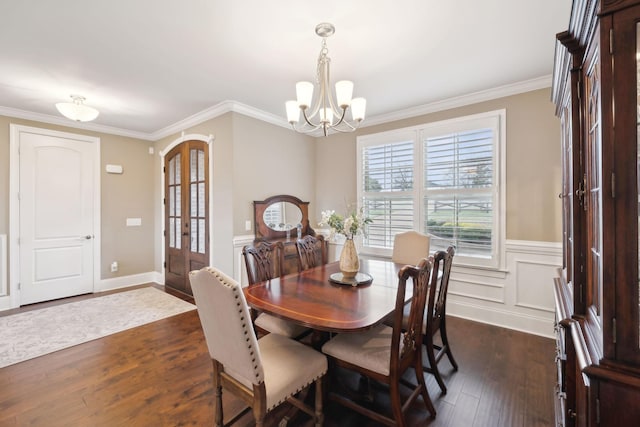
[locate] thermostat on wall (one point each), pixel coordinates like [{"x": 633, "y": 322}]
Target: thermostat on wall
[{"x": 114, "y": 169}]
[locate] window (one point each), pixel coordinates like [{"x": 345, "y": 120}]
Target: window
[{"x": 444, "y": 179}]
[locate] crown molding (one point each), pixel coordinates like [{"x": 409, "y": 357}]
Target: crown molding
[
  {"x": 461, "y": 101},
  {"x": 216, "y": 111},
  {"x": 238, "y": 107},
  {"x": 55, "y": 120}
]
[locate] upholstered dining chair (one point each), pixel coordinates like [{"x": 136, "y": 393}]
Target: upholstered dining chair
[
  {"x": 312, "y": 251},
  {"x": 435, "y": 316},
  {"x": 263, "y": 261},
  {"x": 262, "y": 372},
  {"x": 410, "y": 247},
  {"x": 385, "y": 353}
]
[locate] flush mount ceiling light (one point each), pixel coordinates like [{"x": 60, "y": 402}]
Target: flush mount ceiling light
[
  {"x": 76, "y": 110},
  {"x": 325, "y": 109}
]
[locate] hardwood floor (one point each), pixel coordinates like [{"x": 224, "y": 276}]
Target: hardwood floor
[{"x": 159, "y": 374}]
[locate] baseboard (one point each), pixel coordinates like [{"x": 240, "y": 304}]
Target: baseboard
[
  {"x": 508, "y": 319},
  {"x": 126, "y": 281}
]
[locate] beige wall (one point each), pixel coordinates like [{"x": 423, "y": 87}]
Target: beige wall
[
  {"x": 125, "y": 196},
  {"x": 533, "y": 163},
  {"x": 122, "y": 196},
  {"x": 269, "y": 160}
]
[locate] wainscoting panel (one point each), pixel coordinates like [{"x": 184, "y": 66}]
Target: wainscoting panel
[
  {"x": 527, "y": 304},
  {"x": 528, "y": 276},
  {"x": 239, "y": 270}
]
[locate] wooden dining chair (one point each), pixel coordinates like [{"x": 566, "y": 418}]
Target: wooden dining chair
[
  {"x": 435, "y": 316},
  {"x": 262, "y": 372},
  {"x": 264, "y": 261},
  {"x": 385, "y": 353},
  {"x": 312, "y": 251},
  {"x": 410, "y": 247}
]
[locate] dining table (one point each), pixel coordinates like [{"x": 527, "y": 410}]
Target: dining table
[{"x": 311, "y": 298}]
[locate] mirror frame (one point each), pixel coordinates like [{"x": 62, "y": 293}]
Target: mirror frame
[{"x": 263, "y": 232}]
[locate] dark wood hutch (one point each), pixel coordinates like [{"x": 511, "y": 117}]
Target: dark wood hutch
[
  {"x": 595, "y": 89},
  {"x": 276, "y": 219}
]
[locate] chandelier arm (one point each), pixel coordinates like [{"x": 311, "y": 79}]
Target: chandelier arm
[
  {"x": 351, "y": 128},
  {"x": 302, "y": 130},
  {"x": 307, "y": 120},
  {"x": 344, "y": 112}
]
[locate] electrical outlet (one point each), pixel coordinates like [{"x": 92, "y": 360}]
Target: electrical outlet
[
  {"x": 247, "y": 225},
  {"x": 114, "y": 266}
]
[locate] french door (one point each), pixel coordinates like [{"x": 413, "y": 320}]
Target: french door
[{"x": 186, "y": 169}]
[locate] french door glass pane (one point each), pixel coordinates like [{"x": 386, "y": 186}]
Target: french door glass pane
[
  {"x": 193, "y": 165},
  {"x": 201, "y": 235},
  {"x": 172, "y": 171},
  {"x": 200, "y": 165},
  {"x": 178, "y": 177},
  {"x": 201, "y": 199},
  {"x": 194, "y": 200},
  {"x": 178, "y": 201},
  {"x": 172, "y": 232},
  {"x": 178, "y": 233}
]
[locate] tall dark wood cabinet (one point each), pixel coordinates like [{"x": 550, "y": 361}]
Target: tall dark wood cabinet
[{"x": 596, "y": 92}]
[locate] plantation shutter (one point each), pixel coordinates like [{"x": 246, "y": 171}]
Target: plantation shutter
[
  {"x": 458, "y": 191},
  {"x": 387, "y": 191}
]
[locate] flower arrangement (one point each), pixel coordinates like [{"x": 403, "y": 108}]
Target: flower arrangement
[{"x": 349, "y": 226}]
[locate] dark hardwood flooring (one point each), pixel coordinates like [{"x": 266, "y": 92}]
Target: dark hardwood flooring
[{"x": 159, "y": 374}]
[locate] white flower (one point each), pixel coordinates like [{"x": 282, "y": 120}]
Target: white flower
[{"x": 350, "y": 226}]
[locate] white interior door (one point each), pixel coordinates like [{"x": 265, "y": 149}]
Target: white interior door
[{"x": 56, "y": 216}]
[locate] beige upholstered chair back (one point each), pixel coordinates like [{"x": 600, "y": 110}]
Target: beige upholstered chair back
[
  {"x": 410, "y": 247},
  {"x": 227, "y": 324}
]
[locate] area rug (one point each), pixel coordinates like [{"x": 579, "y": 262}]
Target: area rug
[{"x": 34, "y": 333}]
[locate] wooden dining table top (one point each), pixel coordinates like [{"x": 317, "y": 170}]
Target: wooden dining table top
[{"x": 310, "y": 299}]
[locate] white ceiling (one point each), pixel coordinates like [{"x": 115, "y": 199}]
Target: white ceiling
[{"x": 147, "y": 65}]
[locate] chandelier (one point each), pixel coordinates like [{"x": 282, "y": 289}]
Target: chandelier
[
  {"x": 325, "y": 112},
  {"x": 76, "y": 110}
]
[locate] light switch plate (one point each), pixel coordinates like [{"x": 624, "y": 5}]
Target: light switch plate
[
  {"x": 114, "y": 169},
  {"x": 134, "y": 222}
]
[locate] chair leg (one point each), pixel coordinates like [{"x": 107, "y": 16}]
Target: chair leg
[
  {"x": 423, "y": 389},
  {"x": 433, "y": 363},
  {"x": 396, "y": 403},
  {"x": 318, "y": 403},
  {"x": 445, "y": 344},
  {"x": 217, "y": 390}
]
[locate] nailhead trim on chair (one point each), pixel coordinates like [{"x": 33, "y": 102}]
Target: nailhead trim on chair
[
  {"x": 223, "y": 280},
  {"x": 297, "y": 391}
]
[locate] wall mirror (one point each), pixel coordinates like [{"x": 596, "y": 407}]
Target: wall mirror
[{"x": 276, "y": 215}]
